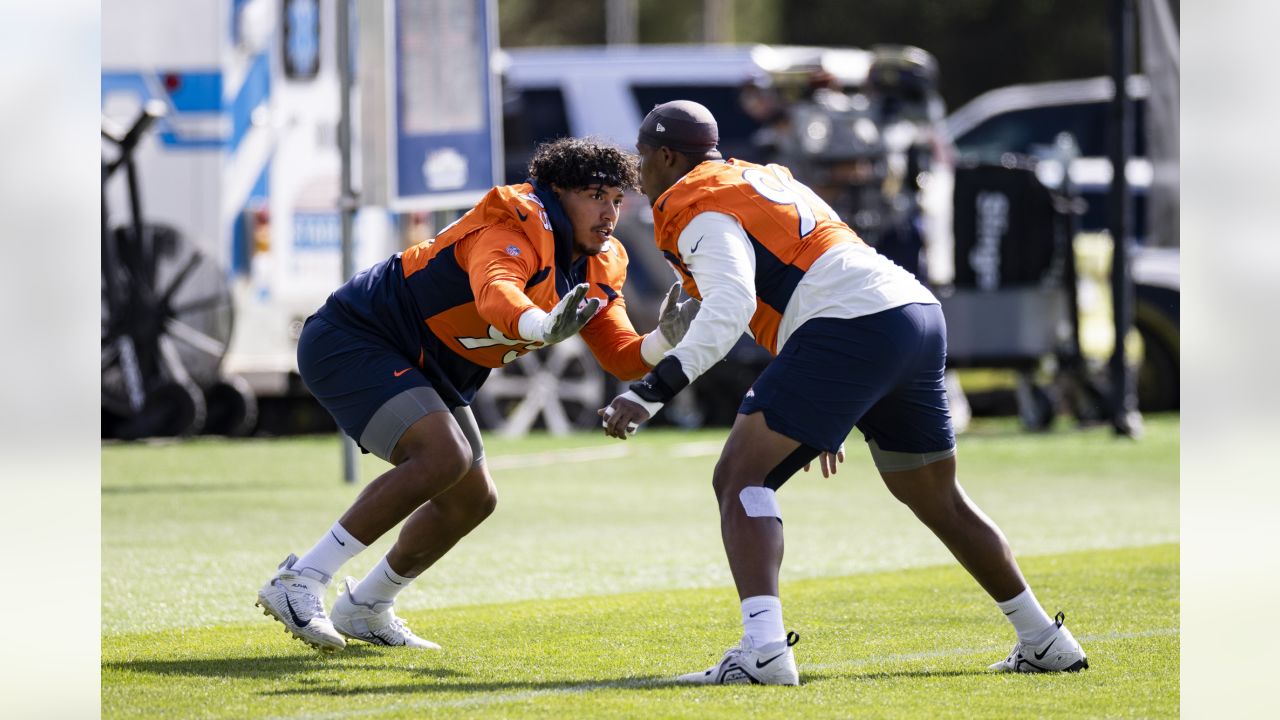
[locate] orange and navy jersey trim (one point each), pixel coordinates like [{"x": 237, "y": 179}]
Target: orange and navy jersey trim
[
  {"x": 788, "y": 225},
  {"x": 468, "y": 287}
]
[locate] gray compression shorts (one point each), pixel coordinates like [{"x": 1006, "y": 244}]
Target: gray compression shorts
[{"x": 395, "y": 416}]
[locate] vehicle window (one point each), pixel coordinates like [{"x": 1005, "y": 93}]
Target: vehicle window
[
  {"x": 529, "y": 117},
  {"x": 736, "y": 127},
  {"x": 1019, "y": 131},
  {"x": 300, "y": 39}
]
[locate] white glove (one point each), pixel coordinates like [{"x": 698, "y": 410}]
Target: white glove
[
  {"x": 674, "y": 317},
  {"x": 565, "y": 319}
]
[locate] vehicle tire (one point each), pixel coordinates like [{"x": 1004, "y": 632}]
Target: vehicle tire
[
  {"x": 1158, "y": 375},
  {"x": 232, "y": 408},
  {"x": 172, "y": 409},
  {"x": 1035, "y": 406},
  {"x": 558, "y": 389}
]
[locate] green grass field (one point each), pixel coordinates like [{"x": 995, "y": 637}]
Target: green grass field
[{"x": 601, "y": 575}]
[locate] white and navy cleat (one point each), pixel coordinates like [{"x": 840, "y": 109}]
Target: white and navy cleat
[
  {"x": 1058, "y": 652},
  {"x": 772, "y": 664},
  {"x": 293, "y": 597},
  {"x": 376, "y": 624}
]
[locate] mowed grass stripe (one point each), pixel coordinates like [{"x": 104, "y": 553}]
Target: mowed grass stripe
[
  {"x": 189, "y": 529},
  {"x": 912, "y": 643}
]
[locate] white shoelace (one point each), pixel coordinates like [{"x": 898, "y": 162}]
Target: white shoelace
[{"x": 401, "y": 626}]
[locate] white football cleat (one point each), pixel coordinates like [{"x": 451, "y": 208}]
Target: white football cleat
[
  {"x": 1057, "y": 653},
  {"x": 772, "y": 664},
  {"x": 293, "y": 597},
  {"x": 375, "y": 624}
]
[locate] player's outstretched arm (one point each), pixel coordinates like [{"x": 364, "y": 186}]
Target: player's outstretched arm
[
  {"x": 564, "y": 321},
  {"x": 717, "y": 252}
]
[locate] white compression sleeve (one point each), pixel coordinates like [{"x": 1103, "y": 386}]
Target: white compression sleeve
[{"x": 716, "y": 250}]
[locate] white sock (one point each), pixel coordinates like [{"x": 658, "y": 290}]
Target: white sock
[
  {"x": 381, "y": 585},
  {"x": 335, "y": 548},
  {"x": 762, "y": 620},
  {"x": 1029, "y": 619}
]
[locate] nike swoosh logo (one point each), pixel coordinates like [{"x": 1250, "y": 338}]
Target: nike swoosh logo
[
  {"x": 760, "y": 664},
  {"x": 1011, "y": 612},
  {"x": 335, "y": 537},
  {"x": 1040, "y": 655},
  {"x": 296, "y": 620},
  {"x": 758, "y": 612},
  {"x": 694, "y": 249},
  {"x": 523, "y": 217},
  {"x": 398, "y": 373},
  {"x": 384, "y": 572},
  {"x": 663, "y": 204}
]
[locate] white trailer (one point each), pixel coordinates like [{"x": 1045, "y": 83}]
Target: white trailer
[{"x": 245, "y": 163}]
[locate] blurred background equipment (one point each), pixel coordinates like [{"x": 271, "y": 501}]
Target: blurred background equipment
[
  {"x": 872, "y": 146},
  {"x": 1039, "y": 121},
  {"x": 243, "y": 166},
  {"x": 166, "y": 317},
  {"x": 1012, "y": 304}
]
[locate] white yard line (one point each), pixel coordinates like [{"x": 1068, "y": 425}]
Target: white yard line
[
  {"x": 557, "y": 457},
  {"x": 513, "y": 697},
  {"x": 595, "y": 453}
]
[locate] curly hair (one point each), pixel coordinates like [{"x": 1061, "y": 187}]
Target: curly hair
[{"x": 576, "y": 163}]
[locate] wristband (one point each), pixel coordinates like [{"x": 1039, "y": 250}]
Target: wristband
[{"x": 663, "y": 382}]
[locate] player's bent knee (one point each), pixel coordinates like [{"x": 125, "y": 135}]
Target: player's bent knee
[
  {"x": 469, "y": 502},
  {"x": 488, "y": 503},
  {"x": 893, "y": 461},
  {"x": 440, "y": 465},
  {"x": 453, "y": 461}
]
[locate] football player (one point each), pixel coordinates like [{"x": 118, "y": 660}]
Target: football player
[
  {"x": 859, "y": 342},
  {"x": 397, "y": 354}
]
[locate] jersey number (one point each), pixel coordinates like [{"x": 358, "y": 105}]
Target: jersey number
[
  {"x": 497, "y": 338},
  {"x": 776, "y": 185}
]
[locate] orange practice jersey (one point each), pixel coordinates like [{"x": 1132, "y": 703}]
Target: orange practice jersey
[
  {"x": 472, "y": 283},
  {"x": 788, "y": 225}
]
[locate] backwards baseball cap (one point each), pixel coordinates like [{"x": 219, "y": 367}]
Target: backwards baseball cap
[{"x": 681, "y": 125}]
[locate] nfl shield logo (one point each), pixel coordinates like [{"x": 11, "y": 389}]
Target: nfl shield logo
[{"x": 512, "y": 250}]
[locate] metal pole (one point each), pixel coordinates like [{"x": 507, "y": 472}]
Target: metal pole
[
  {"x": 717, "y": 21},
  {"x": 1125, "y": 419},
  {"x": 621, "y": 22},
  {"x": 347, "y": 201}
]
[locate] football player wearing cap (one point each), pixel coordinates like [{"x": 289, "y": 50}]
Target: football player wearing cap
[
  {"x": 859, "y": 342},
  {"x": 396, "y": 356}
]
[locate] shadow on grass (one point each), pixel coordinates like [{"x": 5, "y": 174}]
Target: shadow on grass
[
  {"x": 504, "y": 686},
  {"x": 820, "y": 676},
  {"x": 268, "y": 667}
]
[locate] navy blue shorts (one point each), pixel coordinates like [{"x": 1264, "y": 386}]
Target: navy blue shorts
[
  {"x": 355, "y": 375},
  {"x": 882, "y": 373}
]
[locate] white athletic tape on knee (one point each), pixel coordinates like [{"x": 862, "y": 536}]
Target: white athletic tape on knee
[{"x": 760, "y": 502}]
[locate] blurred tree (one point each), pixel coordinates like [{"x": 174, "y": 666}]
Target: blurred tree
[
  {"x": 980, "y": 44},
  {"x": 525, "y": 23}
]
